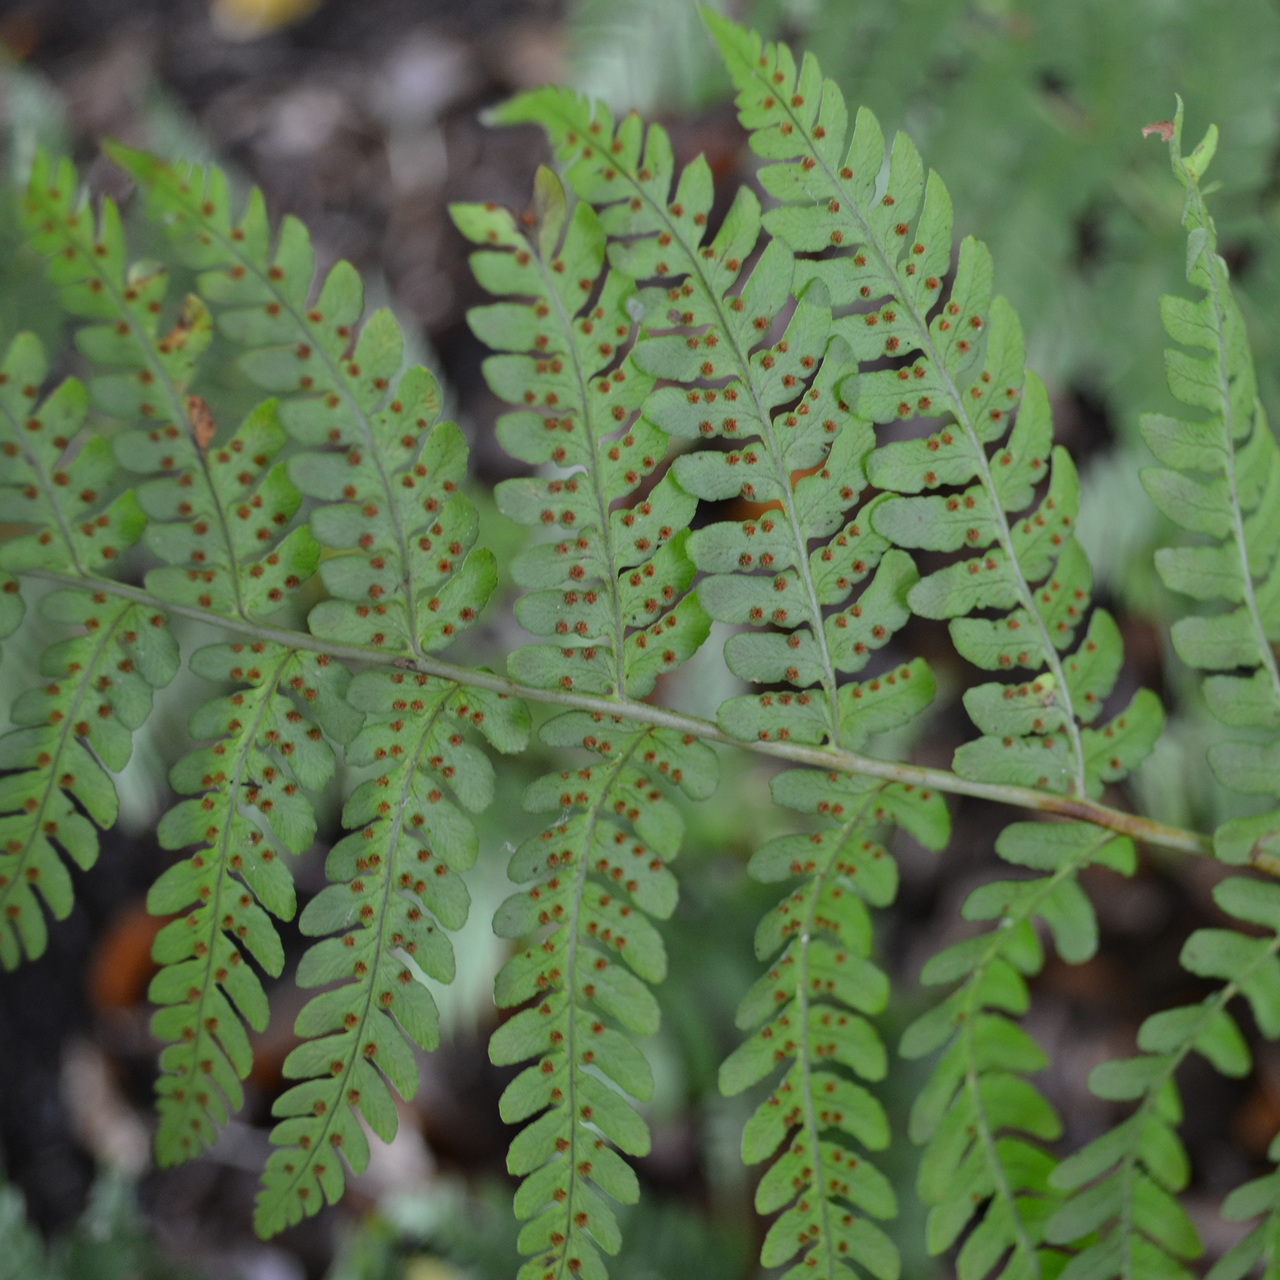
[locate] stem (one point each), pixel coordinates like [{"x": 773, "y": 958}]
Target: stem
[{"x": 828, "y": 758}]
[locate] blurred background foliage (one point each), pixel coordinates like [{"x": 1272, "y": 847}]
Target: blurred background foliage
[{"x": 362, "y": 118}]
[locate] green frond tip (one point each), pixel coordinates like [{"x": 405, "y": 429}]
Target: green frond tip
[
  {"x": 1220, "y": 480},
  {"x": 396, "y": 887},
  {"x": 597, "y": 877}
]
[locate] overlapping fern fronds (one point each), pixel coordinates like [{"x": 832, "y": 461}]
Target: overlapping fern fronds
[
  {"x": 779, "y": 363},
  {"x": 957, "y": 355}
]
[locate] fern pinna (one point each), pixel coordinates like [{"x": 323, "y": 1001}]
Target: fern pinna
[
  {"x": 1221, "y": 479},
  {"x": 71, "y": 733},
  {"x": 847, "y": 391},
  {"x": 975, "y": 1093}
]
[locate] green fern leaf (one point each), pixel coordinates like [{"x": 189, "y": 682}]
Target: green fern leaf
[
  {"x": 396, "y": 885},
  {"x": 269, "y": 746},
  {"x": 809, "y": 1010},
  {"x": 1122, "y": 1214},
  {"x": 385, "y": 472},
  {"x": 217, "y": 515},
  {"x": 579, "y": 403},
  {"x": 78, "y": 728},
  {"x": 1221, "y": 479},
  {"x": 598, "y": 875},
  {"x": 965, "y": 365},
  {"x": 976, "y": 1101}
]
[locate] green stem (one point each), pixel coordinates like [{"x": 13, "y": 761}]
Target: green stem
[{"x": 828, "y": 758}]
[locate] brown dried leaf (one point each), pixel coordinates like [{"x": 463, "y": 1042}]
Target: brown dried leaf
[
  {"x": 203, "y": 427},
  {"x": 1163, "y": 127}
]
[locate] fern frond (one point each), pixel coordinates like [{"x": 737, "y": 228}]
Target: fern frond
[
  {"x": 886, "y": 254},
  {"x": 396, "y": 884},
  {"x": 217, "y": 513},
  {"x": 976, "y": 1093},
  {"x": 597, "y": 874},
  {"x": 385, "y": 472},
  {"x": 615, "y": 587},
  {"x": 78, "y": 728},
  {"x": 269, "y": 746},
  {"x": 811, "y": 1003},
  {"x": 1221, "y": 480},
  {"x": 1123, "y": 1210}
]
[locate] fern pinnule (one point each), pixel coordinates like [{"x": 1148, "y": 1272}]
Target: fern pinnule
[
  {"x": 613, "y": 588},
  {"x": 1221, "y": 480},
  {"x": 79, "y": 726},
  {"x": 1259, "y": 1197},
  {"x": 385, "y": 471},
  {"x": 269, "y": 747},
  {"x": 597, "y": 875},
  {"x": 809, "y": 1010},
  {"x": 975, "y": 1094},
  {"x": 1122, "y": 1213},
  {"x": 887, "y": 252},
  {"x": 395, "y": 883}
]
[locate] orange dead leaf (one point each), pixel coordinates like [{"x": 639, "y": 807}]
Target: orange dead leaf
[
  {"x": 176, "y": 338},
  {"x": 200, "y": 416},
  {"x": 1163, "y": 127}
]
